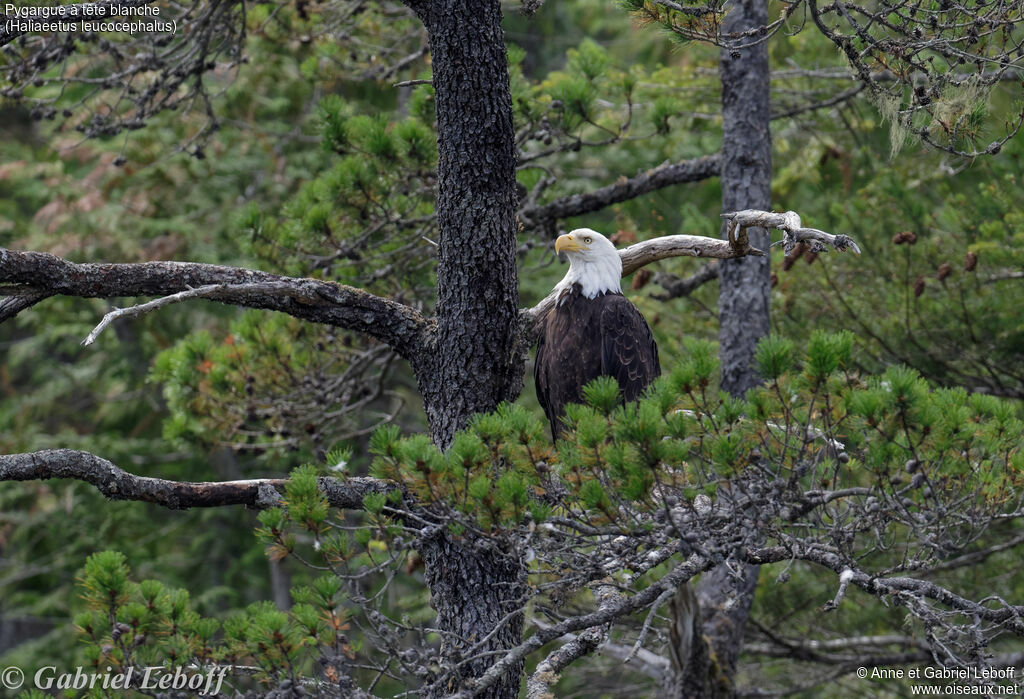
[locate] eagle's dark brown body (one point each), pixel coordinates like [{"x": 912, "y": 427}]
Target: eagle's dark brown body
[{"x": 583, "y": 339}]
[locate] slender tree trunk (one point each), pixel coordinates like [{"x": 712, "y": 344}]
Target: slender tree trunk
[
  {"x": 744, "y": 283},
  {"x": 473, "y": 366},
  {"x": 725, "y": 595}
]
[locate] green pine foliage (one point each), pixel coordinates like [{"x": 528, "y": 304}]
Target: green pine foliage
[
  {"x": 947, "y": 461},
  {"x": 128, "y": 625},
  {"x": 686, "y": 434}
]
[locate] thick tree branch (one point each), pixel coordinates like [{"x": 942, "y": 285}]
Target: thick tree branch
[
  {"x": 329, "y": 303},
  {"x": 545, "y": 676},
  {"x": 646, "y": 662},
  {"x": 118, "y": 484},
  {"x": 15, "y": 303},
  {"x": 664, "y": 175},
  {"x": 642, "y": 254}
]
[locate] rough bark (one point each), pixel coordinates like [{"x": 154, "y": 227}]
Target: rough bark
[
  {"x": 118, "y": 484},
  {"x": 479, "y": 594},
  {"x": 477, "y": 290},
  {"x": 746, "y": 184},
  {"x": 726, "y": 594},
  {"x": 473, "y": 365}
]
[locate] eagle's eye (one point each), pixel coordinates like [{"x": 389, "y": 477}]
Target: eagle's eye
[{"x": 588, "y": 240}]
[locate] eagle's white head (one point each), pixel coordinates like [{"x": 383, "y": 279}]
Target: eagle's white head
[{"x": 594, "y": 263}]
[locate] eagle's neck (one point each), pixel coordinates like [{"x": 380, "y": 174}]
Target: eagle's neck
[{"x": 595, "y": 277}]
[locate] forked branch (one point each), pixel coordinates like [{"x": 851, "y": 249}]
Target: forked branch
[
  {"x": 27, "y": 277},
  {"x": 792, "y": 229}
]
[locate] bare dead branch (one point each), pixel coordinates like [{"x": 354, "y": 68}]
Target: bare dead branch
[
  {"x": 738, "y": 245},
  {"x": 143, "y": 308},
  {"x": 664, "y": 175},
  {"x": 642, "y": 254},
  {"x": 793, "y": 231},
  {"x": 329, "y": 303},
  {"x": 410, "y": 83},
  {"x": 816, "y": 649},
  {"x": 975, "y": 557},
  {"x": 899, "y": 588},
  {"x": 678, "y": 575},
  {"x": 539, "y": 684},
  {"x": 844, "y": 96},
  {"x": 844, "y": 582},
  {"x": 646, "y": 662},
  {"x": 118, "y": 484},
  {"x": 684, "y": 286}
]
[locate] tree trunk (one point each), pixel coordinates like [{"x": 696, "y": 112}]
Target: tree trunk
[
  {"x": 473, "y": 365},
  {"x": 744, "y": 283},
  {"x": 474, "y": 591},
  {"x": 725, "y": 595}
]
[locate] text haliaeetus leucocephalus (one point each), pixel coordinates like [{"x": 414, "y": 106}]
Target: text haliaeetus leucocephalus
[{"x": 592, "y": 330}]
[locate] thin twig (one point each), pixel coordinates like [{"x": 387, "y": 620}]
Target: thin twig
[{"x": 144, "y": 308}]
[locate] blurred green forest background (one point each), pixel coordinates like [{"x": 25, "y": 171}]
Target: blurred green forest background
[{"x": 199, "y": 391}]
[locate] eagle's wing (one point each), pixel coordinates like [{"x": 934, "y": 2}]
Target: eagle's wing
[
  {"x": 541, "y": 379},
  {"x": 628, "y": 350}
]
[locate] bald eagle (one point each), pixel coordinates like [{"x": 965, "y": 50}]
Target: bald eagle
[{"x": 592, "y": 330}]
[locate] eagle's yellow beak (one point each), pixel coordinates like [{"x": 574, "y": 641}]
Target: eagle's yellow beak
[{"x": 567, "y": 243}]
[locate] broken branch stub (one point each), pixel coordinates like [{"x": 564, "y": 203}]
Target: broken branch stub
[{"x": 792, "y": 229}]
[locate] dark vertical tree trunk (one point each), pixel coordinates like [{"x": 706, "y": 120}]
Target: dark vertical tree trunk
[
  {"x": 474, "y": 591},
  {"x": 473, "y": 366},
  {"x": 725, "y": 595}
]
